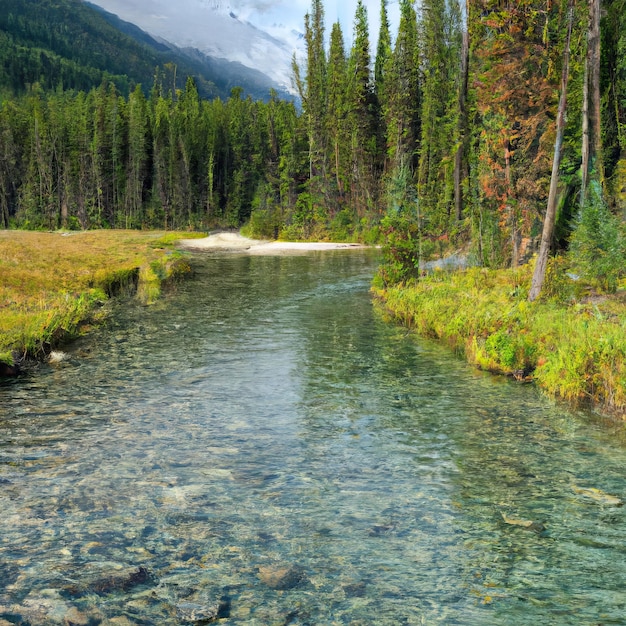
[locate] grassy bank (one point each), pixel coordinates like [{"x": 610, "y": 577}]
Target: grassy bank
[
  {"x": 572, "y": 343},
  {"x": 52, "y": 284}
]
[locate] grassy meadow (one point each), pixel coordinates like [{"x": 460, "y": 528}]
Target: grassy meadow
[
  {"x": 52, "y": 285},
  {"x": 572, "y": 342}
]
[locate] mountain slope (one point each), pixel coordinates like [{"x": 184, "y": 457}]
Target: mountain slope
[
  {"x": 75, "y": 45},
  {"x": 222, "y": 73},
  {"x": 215, "y": 29}
]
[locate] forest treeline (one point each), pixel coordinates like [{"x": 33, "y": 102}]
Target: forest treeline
[
  {"x": 172, "y": 160},
  {"x": 444, "y": 136}
]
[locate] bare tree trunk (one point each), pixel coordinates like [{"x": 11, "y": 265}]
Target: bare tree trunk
[
  {"x": 592, "y": 112},
  {"x": 594, "y": 86},
  {"x": 458, "y": 158},
  {"x": 584, "y": 166},
  {"x": 548, "y": 223}
]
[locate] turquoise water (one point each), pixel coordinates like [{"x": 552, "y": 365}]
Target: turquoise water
[{"x": 259, "y": 447}]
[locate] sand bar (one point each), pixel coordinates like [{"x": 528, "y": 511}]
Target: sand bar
[{"x": 234, "y": 242}]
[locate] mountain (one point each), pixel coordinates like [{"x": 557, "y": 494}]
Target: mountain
[
  {"x": 224, "y": 74},
  {"x": 216, "y": 29},
  {"x": 73, "y": 44}
]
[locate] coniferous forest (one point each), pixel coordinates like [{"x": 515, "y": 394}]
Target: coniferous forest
[{"x": 471, "y": 127}]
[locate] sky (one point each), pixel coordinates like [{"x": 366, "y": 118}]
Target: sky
[
  {"x": 290, "y": 13},
  {"x": 208, "y": 26}
]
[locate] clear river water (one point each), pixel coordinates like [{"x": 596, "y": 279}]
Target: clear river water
[{"x": 261, "y": 447}]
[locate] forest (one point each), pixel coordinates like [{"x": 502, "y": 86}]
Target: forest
[{"x": 457, "y": 132}]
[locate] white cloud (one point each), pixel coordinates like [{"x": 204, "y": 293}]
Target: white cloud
[
  {"x": 209, "y": 26},
  {"x": 291, "y": 14}
]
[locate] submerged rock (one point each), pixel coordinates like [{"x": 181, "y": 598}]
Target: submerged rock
[
  {"x": 124, "y": 580},
  {"x": 8, "y": 371},
  {"x": 355, "y": 590},
  {"x": 537, "y": 527},
  {"x": 42, "y": 607},
  {"x": 111, "y": 578},
  {"x": 597, "y": 495},
  {"x": 74, "y": 617},
  {"x": 281, "y": 577},
  {"x": 198, "y": 612}
]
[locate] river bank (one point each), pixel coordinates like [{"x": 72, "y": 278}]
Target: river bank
[
  {"x": 54, "y": 285},
  {"x": 572, "y": 343}
]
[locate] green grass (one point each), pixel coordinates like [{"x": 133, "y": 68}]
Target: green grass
[
  {"x": 52, "y": 284},
  {"x": 572, "y": 342}
]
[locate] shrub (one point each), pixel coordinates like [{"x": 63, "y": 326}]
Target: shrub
[{"x": 598, "y": 244}]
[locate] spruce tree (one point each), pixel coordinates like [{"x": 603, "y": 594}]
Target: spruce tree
[
  {"x": 403, "y": 94},
  {"x": 441, "y": 54},
  {"x": 337, "y": 114},
  {"x": 362, "y": 117}
]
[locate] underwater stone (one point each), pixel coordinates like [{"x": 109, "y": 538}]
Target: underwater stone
[
  {"x": 281, "y": 577},
  {"x": 197, "y": 613},
  {"x": 113, "y": 580},
  {"x": 75, "y": 618}
]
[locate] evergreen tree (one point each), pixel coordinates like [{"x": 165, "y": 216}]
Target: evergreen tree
[
  {"x": 313, "y": 94},
  {"x": 381, "y": 66},
  {"x": 441, "y": 53},
  {"x": 362, "y": 117},
  {"x": 137, "y": 163},
  {"x": 403, "y": 94},
  {"x": 337, "y": 114}
]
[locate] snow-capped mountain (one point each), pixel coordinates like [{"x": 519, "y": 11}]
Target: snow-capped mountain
[{"x": 222, "y": 29}]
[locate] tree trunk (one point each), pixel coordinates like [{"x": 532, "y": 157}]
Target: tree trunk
[
  {"x": 584, "y": 166},
  {"x": 548, "y": 224},
  {"x": 458, "y": 158},
  {"x": 594, "y": 87},
  {"x": 592, "y": 113}
]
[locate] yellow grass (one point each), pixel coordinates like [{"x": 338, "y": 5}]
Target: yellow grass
[{"x": 50, "y": 283}]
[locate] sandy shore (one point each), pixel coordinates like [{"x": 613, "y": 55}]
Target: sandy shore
[{"x": 234, "y": 242}]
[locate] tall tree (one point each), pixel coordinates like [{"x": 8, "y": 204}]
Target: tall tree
[
  {"x": 614, "y": 96},
  {"x": 459, "y": 164},
  {"x": 381, "y": 65},
  {"x": 137, "y": 163},
  {"x": 362, "y": 116},
  {"x": 312, "y": 91},
  {"x": 550, "y": 218},
  {"x": 403, "y": 95},
  {"x": 337, "y": 112},
  {"x": 441, "y": 28},
  {"x": 383, "y": 50},
  {"x": 592, "y": 119},
  {"x": 514, "y": 53}
]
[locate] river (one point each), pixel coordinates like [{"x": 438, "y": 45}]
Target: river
[{"x": 260, "y": 447}]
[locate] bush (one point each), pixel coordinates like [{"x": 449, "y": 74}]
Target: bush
[
  {"x": 598, "y": 245},
  {"x": 401, "y": 249}
]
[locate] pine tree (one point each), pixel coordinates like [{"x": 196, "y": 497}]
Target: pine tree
[
  {"x": 515, "y": 57},
  {"x": 337, "y": 113},
  {"x": 362, "y": 117},
  {"x": 312, "y": 92},
  {"x": 441, "y": 53},
  {"x": 381, "y": 64},
  {"x": 403, "y": 94},
  {"x": 137, "y": 163}
]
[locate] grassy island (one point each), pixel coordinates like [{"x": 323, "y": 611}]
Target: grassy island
[
  {"x": 572, "y": 342},
  {"x": 52, "y": 285}
]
